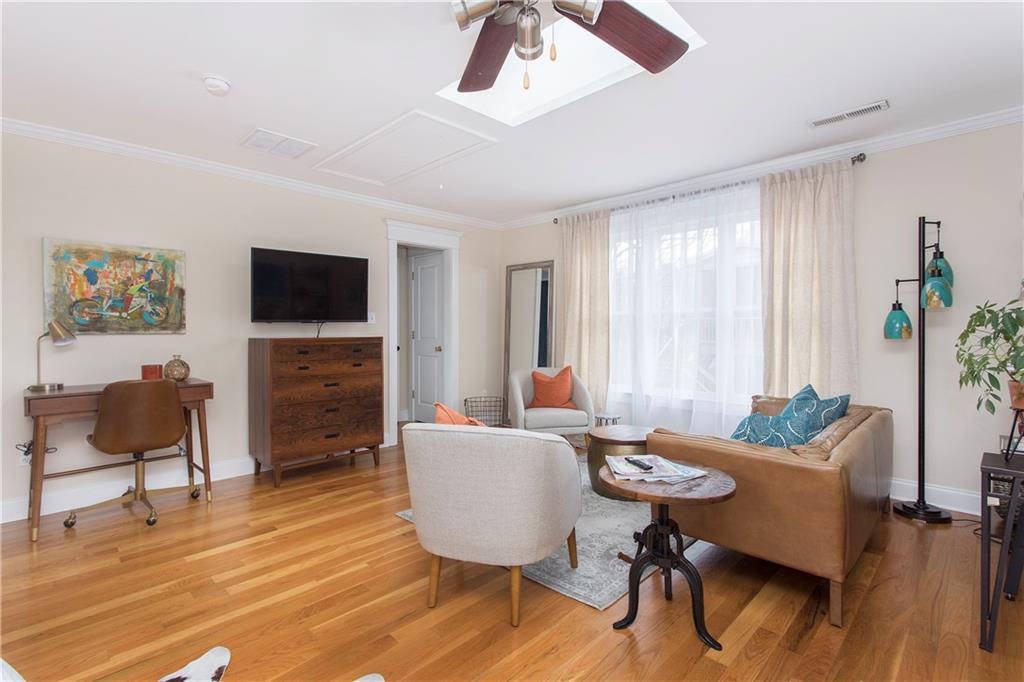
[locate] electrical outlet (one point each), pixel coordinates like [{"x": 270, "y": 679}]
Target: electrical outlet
[
  {"x": 371, "y": 318},
  {"x": 25, "y": 460}
]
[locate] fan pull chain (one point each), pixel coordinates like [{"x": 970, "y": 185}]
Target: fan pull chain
[
  {"x": 554, "y": 51},
  {"x": 526, "y": 75}
]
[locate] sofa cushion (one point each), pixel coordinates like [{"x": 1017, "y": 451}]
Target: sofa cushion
[
  {"x": 447, "y": 415},
  {"x": 821, "y": 446},
  {"x": 774, "y": 431},
  {"x": 817, "y": 413},
  {"x": 554, "y": 418},
  {"x": 553, "y": 391}
]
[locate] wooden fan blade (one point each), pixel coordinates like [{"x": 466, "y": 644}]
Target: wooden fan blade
[
  {"x": 635, "y": 35},
  {"x": 489, "y": 53}
]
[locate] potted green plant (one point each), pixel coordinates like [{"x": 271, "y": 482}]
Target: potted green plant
[{"x": 991, "y": 348}]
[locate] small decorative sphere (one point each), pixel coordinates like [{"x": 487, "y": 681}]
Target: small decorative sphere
[{"x": 177, "y": 369}]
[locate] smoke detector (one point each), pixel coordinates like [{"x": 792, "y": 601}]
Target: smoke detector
[
  {"x": 216, "y": 85},
  {"x": 874, "y": 107}
]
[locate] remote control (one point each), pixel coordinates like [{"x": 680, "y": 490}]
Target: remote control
[{"x": 640, "y": 464}]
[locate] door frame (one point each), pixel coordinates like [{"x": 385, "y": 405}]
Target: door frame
[{"x": 437, "y": 239}]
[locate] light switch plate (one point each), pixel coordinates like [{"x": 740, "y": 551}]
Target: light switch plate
[{"x": 371, "y": 318}]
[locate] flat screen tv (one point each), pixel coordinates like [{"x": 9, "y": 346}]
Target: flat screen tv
[{"x": 289, "y": 286}]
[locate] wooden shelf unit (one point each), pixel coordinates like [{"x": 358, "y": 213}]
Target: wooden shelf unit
[{"x": 314, "y": 400}]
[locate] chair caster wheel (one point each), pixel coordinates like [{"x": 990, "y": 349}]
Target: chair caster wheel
[
  {"x": 194, "y": 494},
  {"x": 69, "y": 522},
  {"x": 151, "y": 521}
]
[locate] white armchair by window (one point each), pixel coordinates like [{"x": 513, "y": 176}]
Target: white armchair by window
[
  {"x": 547, "y": 419},
  {"x": 501, "y": 497}
]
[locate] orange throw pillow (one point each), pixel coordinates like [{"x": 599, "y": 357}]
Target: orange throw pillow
[
  {"x": 553, "y": 391},
  {"x": 446, "y": 415}
]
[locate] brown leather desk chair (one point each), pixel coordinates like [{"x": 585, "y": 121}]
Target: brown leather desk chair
[{"x": 134, "y": 418}]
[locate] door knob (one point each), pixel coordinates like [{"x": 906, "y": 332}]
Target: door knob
[{"x": 437, "y": 349}]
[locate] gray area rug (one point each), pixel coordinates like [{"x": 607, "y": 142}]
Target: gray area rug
[{"x": 604, "y": 529}]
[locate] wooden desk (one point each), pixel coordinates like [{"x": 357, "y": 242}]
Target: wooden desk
[{"x": 82, "y": 402}]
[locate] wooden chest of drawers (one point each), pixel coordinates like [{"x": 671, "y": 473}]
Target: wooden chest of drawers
[{"x": 312, "y": 400}]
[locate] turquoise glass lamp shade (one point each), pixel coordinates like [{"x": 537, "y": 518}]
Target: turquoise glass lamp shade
[
  {"x": 936, "y": 292},
  {"x": 939, "y": 262},
  {"x": 897, "y": 324}
]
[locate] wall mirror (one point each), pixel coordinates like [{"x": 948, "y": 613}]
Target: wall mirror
[{"x": 529, "y": 316}]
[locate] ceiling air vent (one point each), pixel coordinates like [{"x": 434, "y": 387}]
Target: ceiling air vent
[
  {"x": 277, "y": 144},
  {"x": 880, "y": 105}
]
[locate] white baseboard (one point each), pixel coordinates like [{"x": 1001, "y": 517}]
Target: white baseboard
[
  {"x": 159, "y": 475},
  {"x": 953, "y": 499}
]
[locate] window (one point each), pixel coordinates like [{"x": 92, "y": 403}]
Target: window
[{"x": 685, "y": 290}]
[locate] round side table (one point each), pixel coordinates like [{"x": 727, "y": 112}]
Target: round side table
[
  {"x": 617, "y": 440},
  {"x": 654, "y": 543}
]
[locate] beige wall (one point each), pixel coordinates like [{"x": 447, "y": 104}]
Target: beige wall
[
  {"x": 59, "y": 190},
  {"x": 973, "y": 184}
]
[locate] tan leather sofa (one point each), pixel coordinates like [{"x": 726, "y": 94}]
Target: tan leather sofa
[{"x": 811, "y": 507}]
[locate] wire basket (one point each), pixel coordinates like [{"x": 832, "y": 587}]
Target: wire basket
[{"x": 489, "y": 409}]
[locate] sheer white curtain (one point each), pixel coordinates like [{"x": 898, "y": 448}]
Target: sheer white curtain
[{"x": 685, "y": 300}]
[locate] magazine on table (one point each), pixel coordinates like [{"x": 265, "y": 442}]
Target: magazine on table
[{"x": 661, "y": 469}]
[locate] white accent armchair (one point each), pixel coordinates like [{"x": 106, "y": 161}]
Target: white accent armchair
[
  {"x": 501, "y": 497},
  {"x": 547, "y": 419}
]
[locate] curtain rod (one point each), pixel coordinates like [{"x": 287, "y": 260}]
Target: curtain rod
[{"x": 854, "y": 160}]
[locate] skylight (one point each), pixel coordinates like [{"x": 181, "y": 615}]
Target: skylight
[{"x": 585, "y": 65}]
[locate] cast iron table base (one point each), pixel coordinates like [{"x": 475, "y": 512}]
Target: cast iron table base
[{"x": 654, "y": 548}]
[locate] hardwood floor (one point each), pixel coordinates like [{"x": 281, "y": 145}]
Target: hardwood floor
[{"x": 319, "y": 580}]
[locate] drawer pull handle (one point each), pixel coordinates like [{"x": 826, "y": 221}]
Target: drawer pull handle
[
  {"x": 331, "y": 409},
  {"x": 357, "y": 364},
  {"x": 303, "y": 367},
  {"x": 332, "y": 435},
  {"x": 302, "y": 351},
  {"x": 357, "y": 350},
  {"x": 331, "y": 384}
]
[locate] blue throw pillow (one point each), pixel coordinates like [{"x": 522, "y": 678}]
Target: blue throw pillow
[
  {"x": 773, "y": 431},
  {"x": 804, "y": 417},
  {"x": 817, "y": 413}
]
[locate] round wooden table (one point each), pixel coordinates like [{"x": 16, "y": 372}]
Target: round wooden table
[
  {"x": 654, "y": 543},
  {"x": 615, "y": 439}
]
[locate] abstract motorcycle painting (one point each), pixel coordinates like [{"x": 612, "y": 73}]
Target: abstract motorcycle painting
[{"x": 110, "y": 289}]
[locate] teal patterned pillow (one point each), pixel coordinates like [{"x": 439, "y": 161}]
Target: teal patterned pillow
[
  {"x": 816, "y": 412},
  {"x": 773, "y": 431},
  {"x": 804, "y": 417}
]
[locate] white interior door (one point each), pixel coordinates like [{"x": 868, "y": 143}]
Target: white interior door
[{"x": 427, "y": 333}]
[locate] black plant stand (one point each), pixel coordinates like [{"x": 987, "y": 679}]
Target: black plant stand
[
  {"x": 654, "y": 548},
  {"x": 1010, "y": 565}
]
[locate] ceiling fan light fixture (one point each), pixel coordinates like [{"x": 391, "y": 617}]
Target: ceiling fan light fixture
[
  {"x": 587, "y": 10},
  {"x": 468, "y": 11},
  {"x": 529, "y": 42}
]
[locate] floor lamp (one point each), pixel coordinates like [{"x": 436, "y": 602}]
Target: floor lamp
[{"x": 935, "y": 292}]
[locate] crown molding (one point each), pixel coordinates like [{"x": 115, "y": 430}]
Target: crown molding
[
  {"x": 104, "y": 144},
  {"x": 869, "y": 145}
]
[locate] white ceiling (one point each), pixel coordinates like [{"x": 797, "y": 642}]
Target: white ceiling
[{"x": 336, "y": 73}]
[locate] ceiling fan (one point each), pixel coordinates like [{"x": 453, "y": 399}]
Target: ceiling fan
[{"x": 518, "y": 23}]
